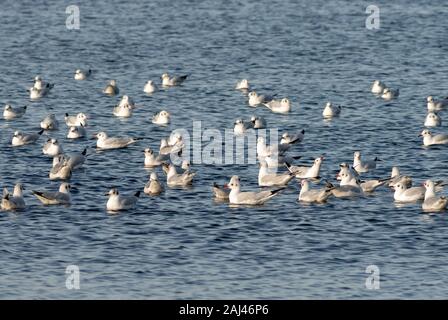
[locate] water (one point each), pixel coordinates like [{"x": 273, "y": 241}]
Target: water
[{"x": 183, "y": 244}]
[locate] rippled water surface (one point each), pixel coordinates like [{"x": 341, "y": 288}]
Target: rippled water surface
[{"x": 183, "y": 244}]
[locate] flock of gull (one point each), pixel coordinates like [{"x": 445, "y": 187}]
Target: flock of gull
[{"x": 271, "y": 158}]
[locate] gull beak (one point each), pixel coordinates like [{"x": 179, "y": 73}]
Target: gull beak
[
  {"x": 226, "y": 186},
  {"x": 106, "y": 194}
]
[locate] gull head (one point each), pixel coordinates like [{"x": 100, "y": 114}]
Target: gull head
[{"x": 430, "y": 99}]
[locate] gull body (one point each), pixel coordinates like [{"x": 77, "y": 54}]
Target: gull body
[
  {"x": 304, "y": 172},
  {"x": 161, "y": 118},
  {"x": 13, "y": 201},
  {"x": 318, "y": 195},
  {"x": 19, "y": 138},
  {"x": 150, "y": 87},
  {"x": 105, "y": 142},
  {"x": 52, "y": 148},
  {"x": 242, "y": 85},
  {"x": 77, "y": 120},
  {"x": 118, "y": 202},
  {"x": 168, "y": 81},
  {"x": 258, "y": 122},
  {"x": 236, "y": 196},
  {"x": 363, "y": 165},
  {"x": 331, "y": 110},
  {"x": 151, "y": 160},
  {"x": 60, "y": 197},
  {"x": 390, "y": 94},
  {"x": 111, "y": 88},
  {"x": 10, "y": 113},
  {"x": 255, "y": 99},
  {"x": 219, "y": 192},
  {"x": 153, "y": 187},
  {"x": 378, "y": 87},
  {"x": 76, "y": 132},
  {"x": 432, "y": 202},
  {"x": 429, "y": 139},
  {"x": 82, "y": 74},
  {"x": 279, "y": 106},
  {"x": 49, "y": 122},
  {"x": 434, "y": 105},
  {"x": 270, "y": 179},
  {"x": 433, "y": 120},
  {"x": 175, "y": 179}
]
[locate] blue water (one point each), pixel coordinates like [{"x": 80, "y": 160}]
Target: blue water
[{"x": 183, "y": 244}]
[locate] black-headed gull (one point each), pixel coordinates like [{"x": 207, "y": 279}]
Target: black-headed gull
[
  {"x": 19, "y": 138},
  {"x": 111, "y": 88},
  {"x": 118, "y": 202},
  {"x": 266, "y": 178},
  {"x": 389, "y": 94},
  {"x": 151, "y": 160},
  {"x": 378, "y": 87},
  {"x": 236, "y": 196},
  {"x": 396, "y": 177},
  {"x": 105, "y": 142},
  {"x": 49, "y": 122},
  {"x": 240, "y": 127},
  {"x": 279, "y": 106},
  {"x": 331, "y": 110},
  {"x": 363, "y": 165},
  {"x": 76, "y": 132},
  {"x": 304, "y": 172},
  {"x": 168, "y": 81},
  {"x": 174, "y": 179},
  {"x": 256, "y": 99},
  {"x": 434, "y": 105},
  {"x": 123, "y": 111},
  {"x": 60, "y": 197},
  {"x": 150, "y": 87},
  {"x": 10, "y": 113},
  {"x": 429, "y": 139},
  {"x": 242, "y": 85},
  {"x": 432, "y": 202},
  {"x": 258, "y": 122},
  {"x": 161, "y": 118},
  {"x": 292, "y": 139},
  {"x": 52, "y": 148},
  {"x": 82, "y": 74},
  {"x": 13, "y": 201},
  {"x": 76, "y": 120},
  {"x": 153, "y": 187},
  {"x": 432, "y": 120},
  {"x": 317, "y": 195}
]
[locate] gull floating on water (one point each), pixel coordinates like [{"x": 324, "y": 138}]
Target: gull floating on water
[
  {"x": 331, "y": 110},
  {"x": 124, "y": 111},
  {"x": 396, "y": 177},
  {"x": 432, "y": 202},
  {"x": 389, "y": 94},
  {"x": 20, "y": 138},
  {"x": 150, "y": 87},
  {"x": 304, "y": 172},
  {"x": 255, "y": 99},
  {"x": 39, "y": 89},
  {"x": 153, "y": 187},
  {"x": 111, "y": 89},
  {"x": 82, "y": 75},
  {"x": 78, "y": 120},
  {"x": 161, "y": 118},
  {"x": 175, "y": 146},
  {"x": 13, "y": 113},
  {"x": 349, "y": 186},
  {"x": 13, "y": 201},
  {"x": 61, "y": 170},
  {"x": 240, "y": 127},
  {"x": 432, "y": 120},
  {"x": 76, "y": 132},
  {"x": 271, "y": 179},
  {"x": 429, "y": 139},
  {"x": 178, "y": 179},
  {"x": 258, "y": 122},
  {"x": 242, "y": 85},
  {"x": 317, "y": 195},
  {"x": 118, "y": 202},
  {"x": 292, "y": 139},
  {"x": 105, "y": 142},
  {"x": 363, "y": 166},
  {"x": 60, "y": 197},
  {"x": 236, "y": 196},
  {"x": 219, "y": 192},
  {"x": 151, "y": 160},
  {"x": 279, "y": 106},
  {"x": 52, "y": 148},
  {"x": 49, "y": 122},
  {"x": 168, "y": 81},
  {"x": 434, "y": 105},
  {"x": 378, "y": 87}
]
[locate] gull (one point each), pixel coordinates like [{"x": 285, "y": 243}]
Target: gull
[
  {"x": 433, "y": 120},
  {"x": 429, "y": 139},
  {"x": 151, "y": 160},
  {"x": 268, "y": 179},
  {"x": 247, "y": 198},
  {"x": 292, "y": 139},
  {"x": 389, "y": 94},
  {"x": 174, "y": 81},
  {"x": 240, "y": 127},
  {"x": 76, "y": 132},
  {"x": 279, "y": 106},
  {"x": 61, "y": 171},
  {"x": 124, "y": 111},
  {"x": 185, "y": 165},
  {"x": 12, "y": 113},
  {"x": 331, "y": 110},
  {"x": 353, "y": 179},
  {"x": 396, "y": 177},
  {"x": 20, "y": 138},
  {"x": 363, "y": 166},
  {"x": 153, "y": 187},
  {"x": 255, "y": 99},
  {"x": 317, "y": 195},
  {"x": 127, "y": 101},
  {"x": 432, "y": 202},
  {"x": 111, "y": 89},
  {"x": 258, "y": 122},
  {"x": 166, "y": 148},
  {"x": 13, "y": 201},
  {"x": 76, "y": 160},
  {"x": 79, "y": 120},
  {"x": 303, "y": 172},
  {"x": 219, "y": 192},
  {"x": 52, "y": 148},
  {"x": 349, "y": 186},
  {"x": 161, "y": 118},
  {"x": 81, "y": 74},
  {"x": 242, "y": 85},
  {"x": 105, "y": 142},
  {"x": 434, "y": 105},
  {"x": 175, "y": 179},
  {"x": 39, "y": 93},
  {"x": 378, "y": 87},
  {"x": 60, "y": 197},
  {"x": 49, "y": 122},
  {"x": 117, "y": 202},
  {"x": 39, "y": 83},
  {"x": 150, "y": 87},
  {"x": 404, "y": 193},
  {"x": 263, "y": 150}
]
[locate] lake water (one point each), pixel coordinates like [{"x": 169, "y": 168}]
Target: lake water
[{"x": 183, "y": 244}]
